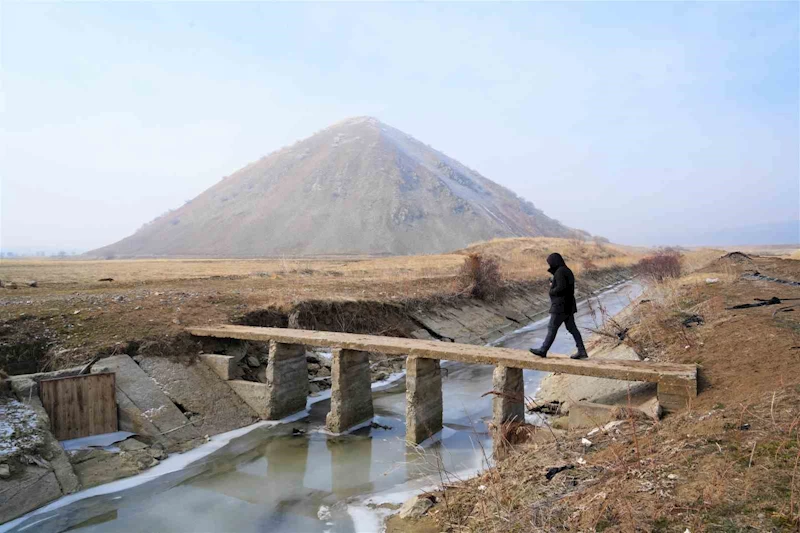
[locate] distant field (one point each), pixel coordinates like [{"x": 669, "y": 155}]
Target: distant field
[
  {"x": 520, "y": 259},
  {"x": 779, "y": 250}
]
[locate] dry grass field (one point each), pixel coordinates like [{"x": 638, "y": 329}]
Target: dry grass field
[
  {"x": 521, "y": 259},
  {"x": 72, "y": 315}
]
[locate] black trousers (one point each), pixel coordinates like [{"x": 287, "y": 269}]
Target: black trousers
[{"x": 556, "y": 319}]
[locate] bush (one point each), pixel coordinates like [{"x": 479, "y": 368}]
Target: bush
[
  {"x": 480, "y": 277},
  {"x": 660, "y": 266}
]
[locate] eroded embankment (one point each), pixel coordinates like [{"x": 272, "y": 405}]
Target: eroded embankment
[{"x": 455, "y": 318}]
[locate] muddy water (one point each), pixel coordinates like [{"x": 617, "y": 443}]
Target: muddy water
[{"x": 294, "y": 477}]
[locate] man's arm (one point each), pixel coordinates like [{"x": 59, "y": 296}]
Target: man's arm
[{"x": 559, "y": 285}]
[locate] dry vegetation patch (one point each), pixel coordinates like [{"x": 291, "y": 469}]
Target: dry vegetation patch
[{"x": 730, "y": 462}]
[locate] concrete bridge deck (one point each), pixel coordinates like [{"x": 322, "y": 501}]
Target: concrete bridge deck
[{"x": 677, "y": 384}]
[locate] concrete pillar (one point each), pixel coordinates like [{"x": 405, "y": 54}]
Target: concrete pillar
[
  {"x": 423, "y": 399},
  {"x": 676, "y": 394},
  {"x": 351, "y": 390},
  {"x": 508, "y": 404},
  {"x": 287, "y": 380}
]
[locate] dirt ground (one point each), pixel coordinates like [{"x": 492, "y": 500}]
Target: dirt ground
[
  {"x": 70, "y": 315},
  {"x": 729, "y": 462}
]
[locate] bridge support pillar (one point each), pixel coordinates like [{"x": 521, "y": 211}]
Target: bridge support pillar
[
  {"x": 423, "y": 399},
  {"x": 351, "y": 390},
  {"x": 287, "y": 380},
  {"x": 508, "y": 403},
  {"x": 676, "y": 395}
]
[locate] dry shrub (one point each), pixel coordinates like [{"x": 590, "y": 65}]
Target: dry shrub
[
  {"x": 660, "y": 266},
  {"x": 480, "y": 277},
  {"x": 588, "y": 265}
]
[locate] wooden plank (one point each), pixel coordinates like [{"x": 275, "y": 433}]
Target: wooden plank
[
  {"x": 79, "y": 406},
  {"x": 466, "y": 353}
]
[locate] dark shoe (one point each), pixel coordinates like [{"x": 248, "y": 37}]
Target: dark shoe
[
  {"x": 579, "y": 355},
  {"x": 538, "y": 351}
]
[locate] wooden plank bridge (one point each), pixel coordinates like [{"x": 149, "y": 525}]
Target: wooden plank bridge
[{"x": 351, "y": 400}]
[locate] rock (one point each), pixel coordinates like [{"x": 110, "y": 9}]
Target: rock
[
  {"x": 313, "y": 388},
  {"x": 586, "y": 442},
  {"x": 561, "y": 422},
  {"x": 379, "y": 376},
  {"x": 323, "y": 372},
  {"x": 95, "y": 467},
  {"x": 416, "y": 507},
  {"x": 33, "y": 283},
  {"x": 223, "y": 365},
  {"x": 131, "y": 444},
  {"x": 34, "y": 488},
  {"x": 324, "y": 513},
  {"x": 589, "y": 415},
  {"x": 314, "y": 367},
  {"x": 652, "y": 409},
  {"x": 311, "y": 357},
  {"x": 5, "y": 472},
  {"x": 252, "y": 361},
  {"x": 261, "y": 375}
]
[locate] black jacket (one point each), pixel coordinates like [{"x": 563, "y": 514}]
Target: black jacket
[{"x": 562, "y": 286}]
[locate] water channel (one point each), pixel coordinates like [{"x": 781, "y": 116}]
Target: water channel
[{"x": 295, "y": 477}]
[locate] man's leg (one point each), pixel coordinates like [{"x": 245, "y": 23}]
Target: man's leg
[
  {"x": 573, "y": 328},
  {"x": 552, "y": 328}
]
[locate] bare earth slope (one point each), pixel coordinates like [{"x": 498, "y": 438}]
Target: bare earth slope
[{"x": 358, "y": 187}]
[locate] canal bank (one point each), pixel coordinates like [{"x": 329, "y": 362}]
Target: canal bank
[{"x": 310, "y": 470}]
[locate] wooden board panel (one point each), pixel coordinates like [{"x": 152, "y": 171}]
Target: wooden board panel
[{"x": 80, "y": 406}]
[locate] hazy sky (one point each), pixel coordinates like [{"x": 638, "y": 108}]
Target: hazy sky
[{"x": 645, "y": 122}]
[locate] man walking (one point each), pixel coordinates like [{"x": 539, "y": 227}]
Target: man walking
[{"x": 562, "y": 307}]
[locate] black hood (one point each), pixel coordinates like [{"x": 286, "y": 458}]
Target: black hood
[{"x": 555, "y": 260}]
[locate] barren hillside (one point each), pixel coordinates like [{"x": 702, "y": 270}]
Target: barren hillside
[{"x": 357, "y": 187}]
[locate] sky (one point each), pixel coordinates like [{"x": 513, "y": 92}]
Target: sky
[{"x": 644, "y": 122}]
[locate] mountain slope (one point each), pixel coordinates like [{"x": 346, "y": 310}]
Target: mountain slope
[{"x": 357, "y": 187}]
